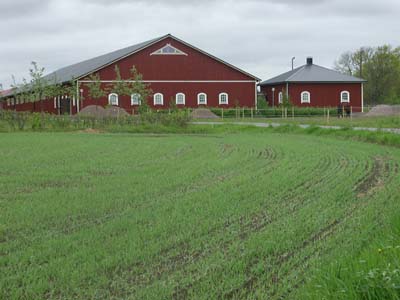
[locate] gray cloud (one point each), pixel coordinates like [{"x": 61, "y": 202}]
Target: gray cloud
[
  {"x": 19, "y": 8},
  {"x": 259, "y": 36}
]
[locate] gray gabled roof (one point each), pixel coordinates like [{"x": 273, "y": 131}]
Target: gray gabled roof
[
  {"x": 86, "y": 67},
  {"x": 312, "y": 74}
]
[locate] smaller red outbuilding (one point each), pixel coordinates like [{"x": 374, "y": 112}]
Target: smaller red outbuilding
[{"x": 315, "y": 86}]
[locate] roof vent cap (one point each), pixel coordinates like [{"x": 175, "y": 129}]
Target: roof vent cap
[{"x": 309, "y": 61}]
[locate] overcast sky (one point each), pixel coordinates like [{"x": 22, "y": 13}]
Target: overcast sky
[{"x": 259, "y": 36}]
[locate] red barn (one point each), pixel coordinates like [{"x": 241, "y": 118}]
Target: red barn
[
  {"x": 175, "y": 70},
  {"x": 315, "y": 86}
]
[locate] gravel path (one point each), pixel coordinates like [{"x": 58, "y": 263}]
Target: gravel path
[{"x": 391, "y": 130}]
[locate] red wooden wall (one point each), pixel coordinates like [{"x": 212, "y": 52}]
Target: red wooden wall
[{"x": 322, "y": 94}]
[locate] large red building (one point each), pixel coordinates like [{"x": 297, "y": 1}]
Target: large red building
[
  {"x": 315, "y": 86},
  {"x": 175, "y": 71}
]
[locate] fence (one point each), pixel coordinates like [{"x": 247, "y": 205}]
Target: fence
[{"x": 288, "y": 112}]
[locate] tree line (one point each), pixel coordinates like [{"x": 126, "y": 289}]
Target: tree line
[{"x": 380, "y": 66}]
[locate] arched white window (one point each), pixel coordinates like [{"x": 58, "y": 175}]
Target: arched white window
[
  {"x": 223, "y": 99},
  {"x": 202, "y": 99},
  {"x": 180, "y": 99},
  {"x": 113, "y": 99},
  {"x": 305, "y": 97},
  {"x": 158, "y": 99},
  {"x": 280, "y": 97},
  {"x": 345, "y": 97},
  {"x": 135, "y": 99}
]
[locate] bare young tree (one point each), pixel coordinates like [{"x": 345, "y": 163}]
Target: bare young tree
[{"x": 353, "y": 63}]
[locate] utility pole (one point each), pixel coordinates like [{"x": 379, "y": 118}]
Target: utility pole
[{"x": 293, "y": 58}]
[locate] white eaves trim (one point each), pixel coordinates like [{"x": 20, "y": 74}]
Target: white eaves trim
[{"x": 172, "y": 81}]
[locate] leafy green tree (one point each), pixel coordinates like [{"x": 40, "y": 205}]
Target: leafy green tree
[
  {"x": 286, "y": 100},
  {"x": 53, "y": 89},
  {"x": 21, "y": 91},
  {"x": 380, "y": 67},
  {"x": 95, "y": 90},
  {"x": 38, "y": 83},
  {"x": 135, "y": 85},
  {"x": 71, "y": 89},
  {"x": 383, "y": 75},
  {"x": 120, "y": 86}
]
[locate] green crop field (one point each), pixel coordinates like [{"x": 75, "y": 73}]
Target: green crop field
[{"x": 252, "y": 215}]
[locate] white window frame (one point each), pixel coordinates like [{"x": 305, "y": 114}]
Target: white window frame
[
  {"x": 55, "y": 102},
  {"x": 73, "y": 100},
  {"x": 280, "y": 97},
  {"x": 133, "y": 100},
  {"x": 155, "y": 97},
  {"x": 220, "y": 98},
  {"x": 109, "y": 99},
  {"x": 341, "y": 97},
  {"x": 302, "y": 97},
  {"x": 198, "y": 98},
  {"x": 183, "y": 99}
]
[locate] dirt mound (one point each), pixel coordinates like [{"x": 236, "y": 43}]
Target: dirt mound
[
  {"x": 101, "y": 112},
  {"x": 384, "y": 110},
  {"x": 115, "y": 111},
  {"x": 203, "y": 113},
  {"x": 93, "y": 111}
]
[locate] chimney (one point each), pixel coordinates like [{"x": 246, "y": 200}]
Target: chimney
[{"x": 309, "y": 61}]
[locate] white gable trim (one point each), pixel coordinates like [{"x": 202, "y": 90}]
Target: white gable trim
[{"x": 168, "y": 45}]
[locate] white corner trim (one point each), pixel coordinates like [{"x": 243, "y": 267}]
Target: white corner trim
[{"x": 362, "y": 97}]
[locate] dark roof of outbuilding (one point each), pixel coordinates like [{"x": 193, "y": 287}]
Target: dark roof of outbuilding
[{"x": 311, "y": 73}]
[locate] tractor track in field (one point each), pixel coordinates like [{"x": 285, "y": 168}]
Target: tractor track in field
[
  {"x": 259, "y": 220},
  {"x": 248, "y": 226},
  {"x": 372, "y": 180},
  {"x": 205, "y": 182},
  {"x": 256, "y": 223},
  {"x": 379, "y": 172}
]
